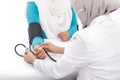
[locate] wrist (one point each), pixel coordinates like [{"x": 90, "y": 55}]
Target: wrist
[
  {"x": 60, "y": 50},
  {"x": 33, "y": 60}
]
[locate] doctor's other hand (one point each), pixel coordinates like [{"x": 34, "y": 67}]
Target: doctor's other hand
[
  {"x": 39, "y": 52},
  {"x": 29, "y": 57},
  {"x": 50, "y": 47},
  {"x": 64, "y": 36}
]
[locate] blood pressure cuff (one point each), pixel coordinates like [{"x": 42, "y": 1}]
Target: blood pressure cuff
[
  {"x": 77, "y": 27},
  {"x": 34, "y": 30}
]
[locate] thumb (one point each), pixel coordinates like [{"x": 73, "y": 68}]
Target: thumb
[
  {"x": 46, "y": 47},
  {"x": 40, "y": 48},
  {"x": 27, "y": 51}
]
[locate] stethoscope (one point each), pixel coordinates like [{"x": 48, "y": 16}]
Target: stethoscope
[{"x": 31, "y": 51}]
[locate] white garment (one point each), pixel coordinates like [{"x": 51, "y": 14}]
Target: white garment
[
  {"x": 95, "y": 52},
  {"x": 55, "y": 16}
]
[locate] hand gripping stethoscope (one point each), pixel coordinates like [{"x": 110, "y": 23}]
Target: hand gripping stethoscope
[{"x": 31, "y": 51}]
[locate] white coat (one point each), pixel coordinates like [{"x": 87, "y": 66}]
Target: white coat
[{"x": 94, "y": 52}]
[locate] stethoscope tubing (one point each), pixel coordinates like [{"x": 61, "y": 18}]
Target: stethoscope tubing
[
  {"x": 31, "y": 51},
  {"x": 16, "y": 49}
]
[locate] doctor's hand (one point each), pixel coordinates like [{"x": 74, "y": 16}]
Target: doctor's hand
[
  {"x": 49, "y": 47},
  {"x": 29, "y": 57},
  {"x": 64, "y": 36},
  {"x": 39, "y": 52}
]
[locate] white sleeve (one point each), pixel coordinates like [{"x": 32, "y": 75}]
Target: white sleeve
[{"x": 75, "y": 56}]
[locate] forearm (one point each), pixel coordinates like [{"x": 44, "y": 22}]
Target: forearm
[
  {"x": 60, "y": 50},
  {"x": 72, "y": 30},
  {"x": 73, "y": 27},
  {"x": 37, "y": 41}
]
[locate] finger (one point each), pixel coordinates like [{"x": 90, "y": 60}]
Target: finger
[
  {"x": 39, "y": 51},
  {"x": 40, "y": 55},
  {"x": 27, "y": 51},
  {"x": 63, "y": 40},
  {"x": 35, "y": 52},
  {"x": 47, "y": 51},
  {"x": 36, "y": 47},
  {"x": 61, "y": 34},
  {"x": 46, "y": 43},
  {"x": 25, "y": 57},
  {"x": 66, "y": 34},
  {"x": 43, "y": 56},
  {"x": 46, "y": 47},
  {"x": 42, "y": 46}
]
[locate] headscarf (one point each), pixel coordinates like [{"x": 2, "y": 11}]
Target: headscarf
[
  {"x": 55, "y": 16},
  {"x": 87, "y": 10}
]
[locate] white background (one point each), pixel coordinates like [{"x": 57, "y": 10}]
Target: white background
[
  {"x": 12, "y": 20},
  {"x": 13, "y": 29},
  {"x": 13, "y": 24}
]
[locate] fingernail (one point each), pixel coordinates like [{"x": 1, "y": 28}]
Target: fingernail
[
  {"x": 40, "y": 48},
  {"x": 25, "y": 52}
]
